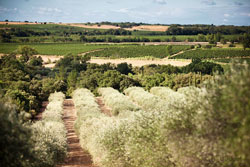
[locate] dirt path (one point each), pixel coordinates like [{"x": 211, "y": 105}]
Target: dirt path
[
  {"x": 77, "y": 157},
  {"x": 39, "y": 115},
  {"x": 176, "y": 54},
  {"x": 102, "y": 106}
]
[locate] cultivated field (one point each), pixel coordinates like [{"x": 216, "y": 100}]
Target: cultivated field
[{"x": 139, "y": 28}]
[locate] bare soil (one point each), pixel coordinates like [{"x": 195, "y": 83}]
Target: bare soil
[
  {"x": 77, "y": 157},
  {"x": 104, "y": 109},
  {"x": 139, "y": 63},
  {"x": 149, "y": 28},
  {"x": 140, "y": 28},
  {"x": 39, "y": 115}
]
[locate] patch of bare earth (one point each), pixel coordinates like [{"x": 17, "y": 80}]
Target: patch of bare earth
[
  {"x": 140, "y": 28},
  {"x": 77, "y": 157},
  {"x": 149, "y": 28},
  {"x": 39, "y": 115},
  {"x": 103, "y": 107},
  {"x": 139, "y": 63}
]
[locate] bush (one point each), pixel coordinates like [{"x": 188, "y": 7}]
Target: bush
[
  {"x": 230, "y": 114},
  {"x": 49, "y": 135},
  {"x": 15, "y": 140},
  {"x": 117, "y": 101}
]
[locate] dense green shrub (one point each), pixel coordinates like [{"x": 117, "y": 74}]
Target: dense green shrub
[
  {"x": 197, "y": 66},
  {"x": 15, "y": 140}
]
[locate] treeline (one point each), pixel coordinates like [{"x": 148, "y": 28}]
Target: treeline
[
  {"x": 206, "y": 29},
  {"x": 122, "y": 24}
]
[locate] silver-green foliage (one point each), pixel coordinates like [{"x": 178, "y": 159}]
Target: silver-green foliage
[
  {"x": 49, "y": 134},
  {"x": 146, "y": 100},
  {"x": 89, "y": 122},
  {"x": 86, "y": 107},
  {"x": 169, "y": 95},
  {"x": 117, "y": 101}
]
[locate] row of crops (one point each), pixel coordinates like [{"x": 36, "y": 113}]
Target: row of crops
[
  {"x": 54, "y": 48},
  {"x": 152, "y": 129},
  {"x": 33, "y": 144},
  {"x": 159, "y": 51},
  {"x": 213, "y": 53},
  {"x": 49, "y": 134}
]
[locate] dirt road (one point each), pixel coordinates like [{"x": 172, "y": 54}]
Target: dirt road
[{"x": 77, "y": 157}]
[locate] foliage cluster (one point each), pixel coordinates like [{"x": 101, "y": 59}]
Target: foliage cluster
[
  {"x": 117, "y": 101},
  {"x": 33, "y": 145},
  {"x": 49, "y": 134}
]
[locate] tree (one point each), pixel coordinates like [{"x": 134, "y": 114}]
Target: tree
[
  {"x": 246, "y": 41},
  {"x": 124, "y": 68},
  {"x": 36, "y": 61},
  {"x": 198, "y": 66},
  {"x": 26, "y": 52}
]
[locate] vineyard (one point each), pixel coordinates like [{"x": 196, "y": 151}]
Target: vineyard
[
  {"x": 138, "y": 51},
  {"x": 240, "y": 60},
  {"x": 213, "y": 53},
  {"x": 190, "y": 127},
  {"x": 153, "y": 129},
  {"x": 55, "y": 48}
]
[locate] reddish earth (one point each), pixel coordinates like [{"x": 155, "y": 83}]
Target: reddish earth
[
  {"x": 102, "y": 106},
  {"x": 77, "y": 157}
]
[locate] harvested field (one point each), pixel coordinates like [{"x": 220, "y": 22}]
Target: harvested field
[
  {"x": 139, "y": 63},
  {"x": 140, "y": 28},
  {"x": 149, "y": 28}
]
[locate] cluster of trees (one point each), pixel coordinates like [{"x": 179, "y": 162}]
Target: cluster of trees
[
  {"x": 206, "y": 29},
  {"x": 106, "y": 32},
  {"x": 28, "y": 83},
  {"x": 122, "y": 24},
  {"x": 92, "y": 76},
  {"x": 25, "y": 81},
  {"x": 129, "y": 39}
]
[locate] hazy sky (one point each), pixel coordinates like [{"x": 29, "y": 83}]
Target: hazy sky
[{"x": 236, "y": 12}]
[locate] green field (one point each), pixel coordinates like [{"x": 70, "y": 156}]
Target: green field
[
  {"x": 159, "y": 51},
  {"x": 55, "y": 48},
  {"x": 213, "y": 53},
  {"x": 65, "y": 33}
]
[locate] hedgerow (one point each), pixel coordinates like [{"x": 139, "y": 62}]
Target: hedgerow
[
  {"x": 117, "y": 101},
  {"x": 49, "y": 134},
  {"x": 192, "y": 127}
]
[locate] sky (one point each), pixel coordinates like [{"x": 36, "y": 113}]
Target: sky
[{"x": 218, "y": 12}]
